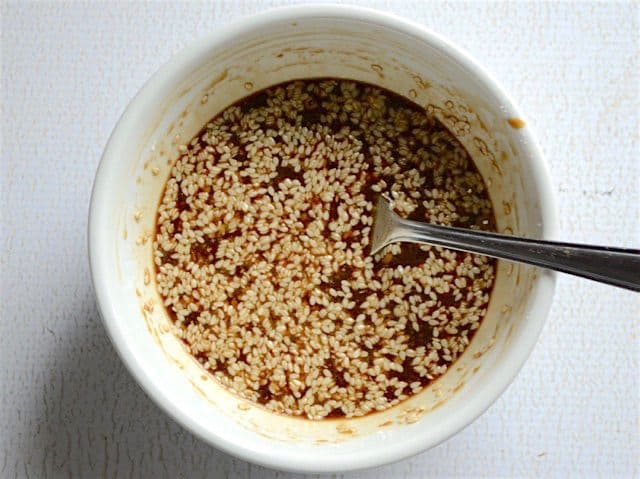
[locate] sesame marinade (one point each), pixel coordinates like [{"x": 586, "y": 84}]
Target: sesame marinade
[{"x": 262, "y": 249}]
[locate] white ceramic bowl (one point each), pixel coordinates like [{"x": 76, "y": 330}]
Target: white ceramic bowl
[{"x": 251, "y": 54}]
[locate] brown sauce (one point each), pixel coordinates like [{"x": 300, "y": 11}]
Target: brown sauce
[{"x": 410, "y": 255}]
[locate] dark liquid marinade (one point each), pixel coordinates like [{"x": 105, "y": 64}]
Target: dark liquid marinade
[{"x": 410, "y": 255}]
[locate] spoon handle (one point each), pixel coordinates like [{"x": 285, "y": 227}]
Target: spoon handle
[{"x": 616, "y": 266}]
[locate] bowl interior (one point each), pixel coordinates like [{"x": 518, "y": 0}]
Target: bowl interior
[{"x": 217, "y": 72}]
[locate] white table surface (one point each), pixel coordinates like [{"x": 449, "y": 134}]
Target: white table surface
[{"x": 68, "y": 406}]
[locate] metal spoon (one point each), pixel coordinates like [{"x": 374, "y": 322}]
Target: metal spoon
[{"x": 616, "y": 266}]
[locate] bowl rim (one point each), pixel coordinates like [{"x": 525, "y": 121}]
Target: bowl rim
[{"x": 279, "y": 457}]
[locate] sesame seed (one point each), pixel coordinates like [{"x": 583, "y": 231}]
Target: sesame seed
[{"x": 262, "y": 249}]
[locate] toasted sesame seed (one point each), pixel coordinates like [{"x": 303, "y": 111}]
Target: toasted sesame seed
[{"x": 261, "y": 249}]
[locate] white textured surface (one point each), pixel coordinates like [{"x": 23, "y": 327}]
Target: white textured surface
[{"x": 68, "y": 407}]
